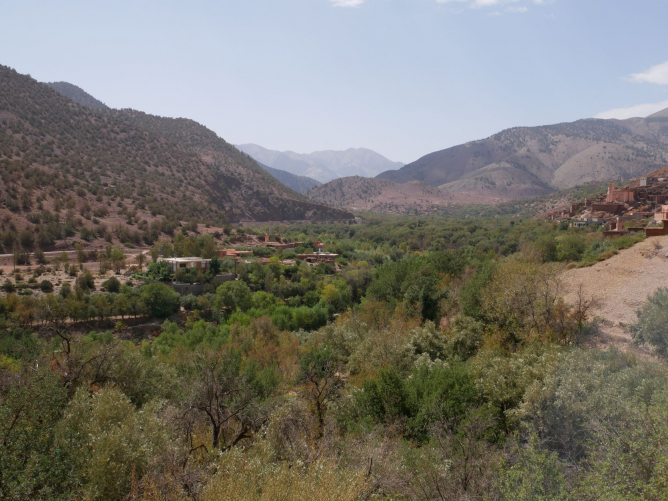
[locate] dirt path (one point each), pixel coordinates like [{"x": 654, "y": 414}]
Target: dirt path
[{"x": 621, "y": 285}]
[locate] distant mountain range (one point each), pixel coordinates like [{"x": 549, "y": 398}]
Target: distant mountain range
[
  {"x": 323, "y": 165},
  {"x": 529, "y": 161},
  {"x": 161, "y": 164}
]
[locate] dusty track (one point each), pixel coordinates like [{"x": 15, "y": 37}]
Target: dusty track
[{"x": 621, "y": 285}]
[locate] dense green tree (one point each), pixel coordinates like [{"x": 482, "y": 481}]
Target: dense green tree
[
  {"x": 235, "y": 295},
  {"x": 112, "y": 285},
  {"x": 160, "y": 299}
]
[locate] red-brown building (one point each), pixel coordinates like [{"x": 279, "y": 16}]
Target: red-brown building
[
  {"x": 623, "y": 195},
  {"x": 662, "y": 215},
  {"x": 234, "y": 254}
]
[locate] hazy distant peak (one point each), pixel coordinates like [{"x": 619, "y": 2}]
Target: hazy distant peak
[
  {"x": 660, "y": 114},
  {"x": 323, "y": 165},
  {"x": 77, "y": 94}
]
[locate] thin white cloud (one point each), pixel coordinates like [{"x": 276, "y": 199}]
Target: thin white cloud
[
  {"x": 511, "y": 7},
  {"x": 347, "y": 3},
  {"x": 640, "y": 110},
  {"x": 656, "y": 74}
]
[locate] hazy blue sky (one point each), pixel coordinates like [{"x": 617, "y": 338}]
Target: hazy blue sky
[{"x": 402, "y": 77}]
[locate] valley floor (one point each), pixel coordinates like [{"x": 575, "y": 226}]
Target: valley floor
[{"x": 620, "y": 286}]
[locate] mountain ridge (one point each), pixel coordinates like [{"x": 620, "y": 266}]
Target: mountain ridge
[
  {"x": 543, "y": 159},
  {"x": 357, "y": 193},
  {"x": 300, "y": 184},
  {"x": 77, "y": 94},
  {"x": 104, "y": 170},
  {"x": 323, "y": 165}
]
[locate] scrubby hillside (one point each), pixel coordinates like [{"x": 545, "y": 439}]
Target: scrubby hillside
[
  {"x": 65, "y": 167},
  {"x": 77, "y": 94},
  {"x": 381, "y": 195},
  {"x": 529, "y": 161}
]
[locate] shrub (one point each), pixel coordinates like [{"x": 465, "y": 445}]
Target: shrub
[
  {"x": 86, "y": 282},
  {"x": 40, "y": 257},
  {"x": 652, "y": 325},
  {"x": 112, "y": 285},
  {"x": 190, "y": 302},
  {"x": 571, "y": 248},
  {"x": 159, "y": 270},
  {"x": 46, "y": 286},
  {"x": 113, "y": 440}
]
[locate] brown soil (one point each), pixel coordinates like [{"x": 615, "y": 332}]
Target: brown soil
[
  {"x": 621, "y": 285},
  {"x": 356, "y": 193}
]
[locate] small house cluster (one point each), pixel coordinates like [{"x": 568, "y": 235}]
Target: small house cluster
[{"x": 642, "y": 205}]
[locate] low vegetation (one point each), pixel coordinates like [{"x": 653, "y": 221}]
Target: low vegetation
[{"x": 435, "y": 359}]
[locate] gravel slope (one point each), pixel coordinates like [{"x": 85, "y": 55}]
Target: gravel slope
[{"x": 620, "y": 286}]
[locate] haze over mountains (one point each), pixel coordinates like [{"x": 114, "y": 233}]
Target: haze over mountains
[
  {"x": 300, "y": 184},
  {"x": 100, "y": 168},
  {"x": 516, "y": 163},
  {"x": 323, "y": 166}
]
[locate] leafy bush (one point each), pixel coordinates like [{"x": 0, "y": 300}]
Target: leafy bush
[
  {"x": 86, "y": 281},
  {"x": 190, "y": 302},
  {"x": 112, "y": 284},
  {"x": 434, "y": 393},
  {"x": 159, "y": 270},
  {"x": 652, "y": 325},
  {"x": 46, "y": 286},
  {"x": 160, "y": 299}
]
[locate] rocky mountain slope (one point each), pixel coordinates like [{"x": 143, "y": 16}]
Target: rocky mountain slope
[
  {"x": 358, "y": 193},
  {"x": 323, "y": 165},
  {"x": 61, "y": 162},
  {"x": 300, "y": 184},
  {"x": 529, "y": 161}
]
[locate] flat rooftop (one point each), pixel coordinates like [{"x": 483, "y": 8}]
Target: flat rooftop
[{"x": 182, "y": 259}]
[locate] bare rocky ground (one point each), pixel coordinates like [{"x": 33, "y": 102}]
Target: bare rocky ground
[
  {"x": 620, "y": 286},
  {"x": 58, "y": 277}
]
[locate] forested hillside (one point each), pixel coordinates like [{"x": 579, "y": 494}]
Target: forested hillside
[
  {"x": 66, "y": 167},
  {"x": 77, "y": 94}
]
